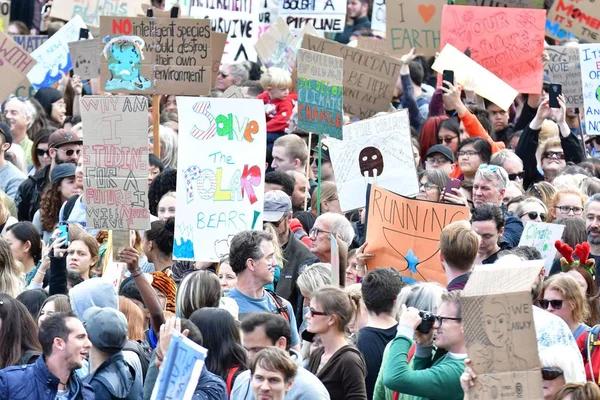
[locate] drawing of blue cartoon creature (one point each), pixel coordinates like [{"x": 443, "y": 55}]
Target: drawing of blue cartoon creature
[{"x": 124, "y": 55}]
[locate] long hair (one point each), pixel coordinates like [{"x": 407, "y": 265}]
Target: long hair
[
  {"x": 135, "y": 318},
  {"x": 61, "y": 304},
  {"x": 12, "y": 278},
  {"x": 50, "y": 205},
  {"x": 18, "y": 331},
  {"x": 556, "y": 199},
  {"x": 592, "y": 295},
  {"x": 335, "y": 302},
  {"x": 221, "y": 336},
  {"x": 429, "y": 134},
  {"x": 197, "y": 290},
  {"x": 569, "y": 288}
]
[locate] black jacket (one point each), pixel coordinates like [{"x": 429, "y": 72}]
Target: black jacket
[
  {"x": 29, "y": 194},
  {"x": 115, "y": 379},
  {"x": 295, "y": 253}
]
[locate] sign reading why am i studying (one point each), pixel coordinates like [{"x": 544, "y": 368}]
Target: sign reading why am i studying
[
  {"x": 325, "y": 15},
  {"x": 589, "y": 55},
  {"x": 221, "y": 166}
]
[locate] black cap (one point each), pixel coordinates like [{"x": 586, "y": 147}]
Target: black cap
[
  {"x": 439, "y": 148},
  {"x": 324, "y": 151},
  {"x": 5, "y": 130}
]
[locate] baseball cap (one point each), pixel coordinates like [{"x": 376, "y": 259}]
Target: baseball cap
[
  {"x": 324, "y": 152},
  {"x": 277, "y": 203},
  {"x": 62, "y": 171},
  {"x": 61, "y": 137},
  {"x": 106, "y": 328},
  {"x": 5, "y": 130},
  {"x": 443, "y": 150}
]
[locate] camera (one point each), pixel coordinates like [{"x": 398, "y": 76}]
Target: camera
[{"x": 427, "y": 323}]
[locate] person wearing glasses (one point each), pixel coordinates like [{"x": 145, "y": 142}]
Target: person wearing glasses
[
  {"x": 566, "y": 203},
  {"x": 441, "y": 158},
  {"x": 472, "y": 152},
  {"x": 329, "y": 224},
  {"x": 562, "y": 296},
  {"x": 531, "y": 209},
  {"x": 40, "y": 156},
  {"x": 232, "y": 74},
  {"x": 511, "y": 163},
  {"x": 430, "y": 377},
  {"x": 554, "y": 153},
  {"x": 431, "y": 184}
]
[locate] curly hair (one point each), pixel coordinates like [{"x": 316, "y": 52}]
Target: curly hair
[
  {"x": 50, "y": 205},
  {"x": 165, "y": 182}
]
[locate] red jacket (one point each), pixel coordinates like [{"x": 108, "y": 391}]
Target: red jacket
[
  {"x": 590, "y": 342},
  {"x": 297, "y": 229},
  {"x": 283, "y": 111}
]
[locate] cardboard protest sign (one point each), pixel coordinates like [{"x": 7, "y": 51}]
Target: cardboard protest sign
[
  {"x": 503, "y": 3},
  {"x": 378, "y": 16},
  {"x": 404, "y": 233},
  {"x": 155, "y": 55},
  {"x": 221, "y": 167},
  {"x": 506, "y": 41},
  {"x": 369, "y": 78},
  {"x": 15, "y": 63},
  {"x": 320, "y": 107},
  {"x": 325, "y": 15},
  {"x": 4, "y": 15},
  {"x": 497, "y": 318},
  {"x": 413, "y": 23},
  {"x": 233, "y": 92},
  {"x": 574, "y": 18},
  {"x": 542, "y": 236},
  {"x": 53, "y": 55},
  {"x": 85, "y": 58},
  {"x": 564, "y": 68},
  {"x": 217, "y": 45},
  {"x": 113, "y": 272},
  {"x": 589, "y": 55},
  {"x": 376, "y": 150},
  {"x": 30, "y": 42},
  {"x": 372, "y": 44},
  {"x": 115, "y": 159},
  {"x": 25, "y": 89},
  {"x": 485, "y": 83},
  {"x": 91, "y": 10},
  {"x": 178, "y": 376}
]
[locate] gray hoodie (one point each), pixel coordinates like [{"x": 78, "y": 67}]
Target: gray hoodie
[{"x": 92, "y": 292}]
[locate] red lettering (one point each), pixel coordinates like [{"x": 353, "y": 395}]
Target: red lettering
[
  {"x": 250, "y": 178},
  {"x": 122, "y": 27}
]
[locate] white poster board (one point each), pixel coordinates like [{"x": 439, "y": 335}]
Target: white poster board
[
  {"x": 542, "y": 236},
  {"x": 221, "y": 169},
  {"x": 589, "y": 56},
  {"x": 326, "y": 15},
  {"x": 378, "y": 16}
]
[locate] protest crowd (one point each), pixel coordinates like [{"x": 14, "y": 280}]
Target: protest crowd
[{"x": 300, "y": 200}]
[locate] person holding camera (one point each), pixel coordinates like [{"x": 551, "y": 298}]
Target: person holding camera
[{"x": 432, "y": 376}]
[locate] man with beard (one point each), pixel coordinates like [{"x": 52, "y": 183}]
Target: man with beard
[
  {"x": 592, "y": 226},
  {"x": 358, "y": 17},
  {"x": 63, "y": 147}
]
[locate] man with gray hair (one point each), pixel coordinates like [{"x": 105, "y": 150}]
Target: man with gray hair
[
  {"x": 326, "y": 224},
  {"x": 511, "y": 163},
  {"x": 592, "y": 226},
  {"x": 20, "y": 114},
  {"x": 488, "y": 188}
]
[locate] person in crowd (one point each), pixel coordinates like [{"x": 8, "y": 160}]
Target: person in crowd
[
  {"x": 543, "y": 191},
  {"x": 40, "y": 155},
  {"x": 168, "y": 104},
  {"x": 26, "y": 246},
  {"x": 357, "y": 17},
  {"x": 33, "y": 299},
  {"x": 80, "y": 257},
  {"x": 136, "y": 321},
  {"x": 53, "y": 104},
  {"x": 157, "y": 245},
  {"x": 20, "y": 114},
  {"x": 65, "y": 345},
  {"x": 301, "y": 196},
  {"x": 199, "y": 289},
  {"x": 11, "y": 177},
  {"x": 578, "y": 391},
  {"x": 155, "y": 167},
  {"x": 428, "y": 136},
  {"x": 511, "y": 163},
  {"x": 165, "y": 182},
  {"x": 503, "y": 130},
  {"x": 566, "y": 203},
  {"x": 380, "y": 288},
  {"x": 61, "y": 188},
  {"x": 562, "y": 296},
  {"x": 12, "y": 279},
  {"x": 325, "y": 225},
  {"x": 592, "y": 226},
  {"x": 449, "y": 136},
  {"x": 166, "y": 206},
  {"x": 590, "y": 186},
  {"x": 354, "y": 272},
  {"x": 110, "y": 376},
  {"x": 226, "y": 356},
  {"x": 431, "y": 184},
  {"x": 312, "y": 278},
  {"x": 278, "y": 212},
  {"x": 279, "y": 102},
  {"x": 251, "y": 89},
  {"x": 227, "y": 277},
  {"x": 266, "y": 330},
  {"x": 18, "y": 28},
  {"x": 251, "y": 259},
  {"x": 338, "y": 364},
  {"x": 168, "y": 145},
  {"x": 272, "y": 374},
  {"x": 53, "y": 304},
  {"x": 290, "y": 153},
  {"x": 472, "y": 152},
  {"x": 18, "y": 334},
  {"x": 416, "y": 148},
  {"x": 441, "y": 158},
  {"x": 487, "y": 222},
  {"x": 531, "y": 209},
  {"x": 63, "y": 147},
  {"x": 231, "y": 75},
  {"x": 512, "y": 190},
  {"x": 459, "y": 248},
  {"x": 275, "y": 180},
  {"x": 429, "y": 378},
  {"x": 325, "y": 198},
  {"x": 326, "y": 174},
  {"x": 413, "y": 94},
  {"x": 16, "y": 156}
]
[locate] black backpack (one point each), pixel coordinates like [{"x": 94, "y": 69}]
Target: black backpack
[
  {"x": 144, "y": 352},
  {"x": 69, "y": 205}
]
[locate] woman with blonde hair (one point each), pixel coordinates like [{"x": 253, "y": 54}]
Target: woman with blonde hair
[
  {"x": 12, "y": 277},
  {"x": 531, "y": 209},
  {"x": 566, "y": 203},
  {"x": 6, "y": 219},
  {"x": 543, "y": 191},
  {"x": 330, "y": 201},
  {"x": 168, "y": 145},
  {"x": 562, "y": 296}
]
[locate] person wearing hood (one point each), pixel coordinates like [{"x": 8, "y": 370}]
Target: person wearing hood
[
  {"x": 53, "y": 104},
  {"x": 92, "y": 293},
  {"x": 110, "y": 376}
]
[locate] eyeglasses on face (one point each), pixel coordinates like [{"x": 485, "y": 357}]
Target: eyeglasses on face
[
  {"x": 437, "y": 160},
  {"x": 533, "y": 215},
  {"x": 468, "y": 153},
  {"x": 556, "y": 155},
  {"x": 556, "y": 304},
  {"x": 439, "y": 319},
  {"x": 276, "y": 223},
  {"x": 550, "y": 374},
  {"x": 42, "y": 152},
  {"x": 427, "y": 185},
  {"x": 447, "y": 139},
  {"x": 316, "y": 313},
  {"x": 223, "y": 74},
  {"x": 568, "y": 209},
  {"x": 514, "y": 177},
  {"x": 70, "y": 152},
  {"x": 314, "y": 232}
]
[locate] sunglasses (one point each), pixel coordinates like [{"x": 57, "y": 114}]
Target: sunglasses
[
  {"x": 70, "y": 152},
  {"x": 447, "y": 140},
  {"x": 556, "y": 304},
  {"x": 533, "y": 215},
  {"x": 556, "y": 155},
  {"x": 437, "y": 160},
  {"x": 42, "y": 153},
  {"x": 314, "y": 312},
  {"x": 550, "y": 374},
  {"x": 513, "y": 177},
  {"x": 223, "y": 74},
  {"x": 493, "y": 168}
]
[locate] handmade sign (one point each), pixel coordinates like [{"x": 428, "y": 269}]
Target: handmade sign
[
  {"x": 372, "y": 44},
  {"x": 589, "y": 55},
  {"x": 4, "y": 15},
  {"x": 320, "y": 106},
  {"x": 53, "y": 55},
  {"x": 413, "y": 23},
  {"x": 91, "y": 10},
  {"x": 574, "y": 18},
  {"x": 15, "y": 63},
  {"x": 29, "y": 42},
  {"x": 85, "y": 58},
  {"x": 542, "y": 236},
  {"x": 404, "y": 233},
  {"x": 217, "y": 46},
  {"x": 325, "y": 15},
  {"x": 113, "y": 273},
  {"x": 115, "y": 159},
  {"x": 267, "y": 15},
  {"x": 506, "y": 41},
  {"x": 377, "y": 150},
  {"x": 233, "y": 92},
  {"x": 564, "y": 68},
  {"x": 221, "y": 166},
  {"x": 378, "y": 16},
  {"x": 485, "y": 83},
  {"x": 369, "y": 78},
  {"x": 503, "y": 3},
  {"x": 183, "y": 364},
  {"x": 497, "y": 318},
  {"x": 155, "y": 55}
]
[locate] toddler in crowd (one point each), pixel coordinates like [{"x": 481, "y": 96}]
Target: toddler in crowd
[{"x": 279, "y": 102}]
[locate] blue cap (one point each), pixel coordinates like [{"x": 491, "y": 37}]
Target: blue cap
[{"x": 62, "y": 171}]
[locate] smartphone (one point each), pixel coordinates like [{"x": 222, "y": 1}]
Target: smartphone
[
  {"x": 448, "y": 75},
  {"x": 84, "y": 33},
  {"x": 555, "y": 89},
  {"x": 453, "y": 183},
  {"x": 63, "y": 227}
]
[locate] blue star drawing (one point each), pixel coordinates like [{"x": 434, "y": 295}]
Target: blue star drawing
[{"x": 412, "y": 261}]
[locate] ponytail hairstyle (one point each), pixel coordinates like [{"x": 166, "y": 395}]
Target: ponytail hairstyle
[{"x": 339, "y": 304}]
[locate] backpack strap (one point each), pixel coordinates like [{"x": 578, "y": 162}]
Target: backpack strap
[
  {"x": 591, "y": 342},
  {"x": 230, "y": 375},
  {"x": 281, "y": 309},
  {"x": 69, "y": 205}
]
